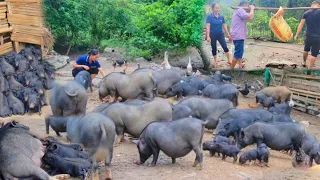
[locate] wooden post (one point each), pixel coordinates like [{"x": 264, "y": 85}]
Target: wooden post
[
  {"x": 1, "y": 39},
  {"x": 16, "y": 46}
]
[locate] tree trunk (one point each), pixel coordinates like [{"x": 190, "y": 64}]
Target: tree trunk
[{"x": 68, "y": 49}]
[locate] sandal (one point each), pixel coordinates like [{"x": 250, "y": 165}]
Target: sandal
[{"x": 229, "y": 63}]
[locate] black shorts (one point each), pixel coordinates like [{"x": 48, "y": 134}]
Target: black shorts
[
  {"x": 75, "y": 71},
  {"x": 312, "y": 44}
]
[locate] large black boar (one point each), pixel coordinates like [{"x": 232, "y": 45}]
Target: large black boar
[
  {"x": 20, "y": 153},
  {"x": 161, "y": 136},
  {"x": 132, "y": 119},
  {"x": 224, "y": 91},
  {"x": 207, "y": 109},
  {"x": 277, "y": 136},
  {"x": 164, "y": 78},
  {"x": 68, "y": 98},
  {"x": 97, "y": 134},
  {"x": 139, "y": 85}
]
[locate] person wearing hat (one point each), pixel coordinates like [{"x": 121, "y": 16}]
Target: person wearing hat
[{"x": 88, "y": 63}]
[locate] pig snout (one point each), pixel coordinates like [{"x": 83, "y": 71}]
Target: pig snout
[{"x": 31, "y": 105}]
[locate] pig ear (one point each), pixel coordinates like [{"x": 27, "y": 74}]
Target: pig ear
[
  {"x": 136, "y": 142},
  {"x": 227, "y": 125}
]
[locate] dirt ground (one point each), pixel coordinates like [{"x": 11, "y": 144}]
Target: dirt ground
[
  {"x": 259, "y": 53},
  {"x": 214, "y": 168}
]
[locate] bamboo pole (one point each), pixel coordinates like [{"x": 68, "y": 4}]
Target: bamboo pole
[{"x": 276, "y": 9}]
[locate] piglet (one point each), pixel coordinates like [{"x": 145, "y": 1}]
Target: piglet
[
  {"x": 66, "y": 152},
  {"x": 226, "y": 150},
  {"x": 251, "y": 155},
  {"x": 263, "y": 154},
  {"x": 220, "y": 139}
]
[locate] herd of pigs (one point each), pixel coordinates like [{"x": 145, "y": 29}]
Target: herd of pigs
[
  {"x": 24, "y": 77},
  {"x": 129, "y": 105}
]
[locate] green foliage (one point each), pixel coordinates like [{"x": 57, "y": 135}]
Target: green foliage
[
  {"x": 148, "y": 27},
  {"x": 67, "y": 20},
  {"x": 144, "y": 27}
]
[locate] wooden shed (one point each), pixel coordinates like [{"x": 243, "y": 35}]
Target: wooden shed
[
  {"x": 305, "y": 89},
  {"x": 21, "y": 22}
]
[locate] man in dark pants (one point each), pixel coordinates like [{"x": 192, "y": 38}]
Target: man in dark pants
[
  {"x": 88, "y": 63},
  {"x": 312, "y": 41},
  {"x": 215, "y": 23}
]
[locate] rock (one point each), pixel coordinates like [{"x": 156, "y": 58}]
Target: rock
[
  {"x": 189, "y": 175},
  {"x": 108, "y": 50},
  {"x": 140, "y": 59},
  {"x": 57, "y": 60}
]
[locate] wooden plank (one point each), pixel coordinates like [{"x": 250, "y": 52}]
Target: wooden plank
[
  {"x": 305, "y": 92},
  {"x": 1, "y": 40},
  {"x": 27, "y": 5},
  {"x": 5, "y": 48},
  {"x": 3, "y": 11},
  {"x": 26, "y": 38},
  {"x": 28, "y": 12},
  {"x": 3, "y": 15},
  {"x": 24, "y": 20},
  {"x": 304, "y": 76},
  {"x": 4, "y": 26},
  {"x": 303, "y": 84},
  {"x": 3, "y": 3},
  {"x": 4, "y": 30},
  {"x": 38, "y": 1},
  {"x": 32, "y": 30}
]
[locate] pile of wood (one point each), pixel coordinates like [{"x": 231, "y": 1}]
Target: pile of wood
[
  {"x": 5, "y": 29},
  {"x": 22, "y": 21},
  {"x": 27, "y": 20}
]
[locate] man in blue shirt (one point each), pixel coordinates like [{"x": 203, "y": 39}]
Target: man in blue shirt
[
  {"x": 215, "y": 23},
  {"x": 88, "y": 63}
]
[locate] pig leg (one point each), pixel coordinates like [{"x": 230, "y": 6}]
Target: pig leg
[
  {"x": 199, "y": 157},
  {"x": 39, "y": 108},
  {"x": 223, "y": 157},
  {"x": 235, "y": 159},
  {"x": 310, "y": 160},
  {"x": 94, "y": 167},
  {"x": 155, "y": 153},
  {"x": 120, "y": 134},
  {"x": 58, "y": 134},
  {"x": 108, "y": 160},
  {"x": 173, "y": 160}
]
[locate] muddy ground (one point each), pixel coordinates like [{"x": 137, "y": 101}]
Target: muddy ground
[{"x": 214, "y": 168}]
